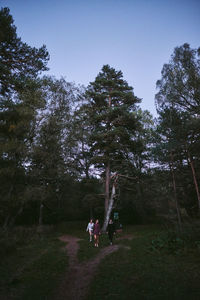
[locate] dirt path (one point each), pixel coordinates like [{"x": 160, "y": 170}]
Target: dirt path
[
  {"x": 72, "y": 248},
  {"x": 77, "y": 281}
]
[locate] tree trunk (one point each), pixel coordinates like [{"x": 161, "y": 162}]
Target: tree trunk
[
  {"x": 175, "y": 195},
  {"x": 110, "y": 207},
  {"x": 107, "y": 188},
  {"x": 87, "y": 171},
  {"x": 107, "y": 183},
  {"x": 194, "y": 177},
  {"x": 41, "y": 215},
  {"x": 91, "y": 212},
  {"x": 6, "y": 222},
  {"x": 140, "y": 203},
  {"x": 13, "y": 219}
]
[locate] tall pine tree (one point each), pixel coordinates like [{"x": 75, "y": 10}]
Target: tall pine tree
[{"x": 112, "y": 112}]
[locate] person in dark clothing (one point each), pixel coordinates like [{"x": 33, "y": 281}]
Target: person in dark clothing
[{"x": 111, "y": 230}]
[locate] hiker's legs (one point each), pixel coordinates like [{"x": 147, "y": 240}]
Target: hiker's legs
[
  {"x": 90, "y": 232},
  {"x": 110, "y": 236},
  {"x": 96, "y": 240}
]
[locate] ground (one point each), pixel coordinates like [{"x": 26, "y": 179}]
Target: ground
[
  {"x": 146, "y": 261},
  {"x": 78, "y": 278}
]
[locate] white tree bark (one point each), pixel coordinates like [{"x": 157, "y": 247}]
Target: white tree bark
[{"x": 110, "y": 207}]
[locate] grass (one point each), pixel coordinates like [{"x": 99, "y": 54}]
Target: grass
[
  {"x": 34, "y": 269},
  {"x": 141, "y": 274},
  {"x": 87, "y": 249}
]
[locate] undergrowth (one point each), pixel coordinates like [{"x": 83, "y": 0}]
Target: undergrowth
[
  {"x": 156, "y": 264},
  {"x": 175, "y": 242}
]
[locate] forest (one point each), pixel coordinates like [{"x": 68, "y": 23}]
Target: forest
[{"x": 70, "y": 152}]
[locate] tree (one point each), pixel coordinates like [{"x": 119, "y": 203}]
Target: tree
[
  {"x": 179, "y": 85},
  {"x": 20, "y": 98},
  {"x": 17, "y": 133},
  {"x": 112, "y": 113},
  {"x": 80, "y": 130},
  {"x": 50, "y": 155},
  {"x": 178, "y": 104},
  {"x": 18, "y": 61}
]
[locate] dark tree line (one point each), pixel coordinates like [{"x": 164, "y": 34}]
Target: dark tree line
[
  {"x": 70, "y": 152},
  {"x": 178, "y": 103}
]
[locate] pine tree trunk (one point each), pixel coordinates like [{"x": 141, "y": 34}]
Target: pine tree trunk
[
  {"x": 194, "y": 177},
  {"x": 107, "y": 183},
  {"x": 13, "y": 219},
  {"x": 175, "y": 195},
  {"x": 41, "y": 215},
  {"x": 107, "y": 188},
  {"x": 6, "y": 222}
]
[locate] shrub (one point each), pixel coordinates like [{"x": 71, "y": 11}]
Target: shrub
[{"x": 175, "y": 242}]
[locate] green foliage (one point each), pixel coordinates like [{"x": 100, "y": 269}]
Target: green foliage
[
  {"x": 144, "y": 274},
  {"x": 19, "y": 237},
  {"x": 111, "y": 106},
  {"x": 170, "y": 243},
  {"x": 18, "y": 61},
  {"x": 36, "y": 268},
  {"x": 178, "y": 125},
  {"x": 33, "y": 269},
  {"x": 197, "y": 244},
  {"x": 19, "y": 100},
  {"x": 175, "y": 242},
  {"x": 180, "y": 81}
]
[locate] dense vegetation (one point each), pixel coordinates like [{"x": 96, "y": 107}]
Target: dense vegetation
[{"x": 63, "y": 146}]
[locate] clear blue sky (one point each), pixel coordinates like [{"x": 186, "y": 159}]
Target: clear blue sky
[{"x": 134, "y": 36}]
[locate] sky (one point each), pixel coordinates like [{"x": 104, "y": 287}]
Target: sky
[{"x": 136, "y": 37}]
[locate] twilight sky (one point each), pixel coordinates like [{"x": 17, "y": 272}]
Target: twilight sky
[{"x": 134, "y": 36}]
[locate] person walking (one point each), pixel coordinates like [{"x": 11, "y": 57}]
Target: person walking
[
  {"x": 90, "y": 228},
  {"x": 97, "y": 232},
  {"x": 111, "y": 230}
]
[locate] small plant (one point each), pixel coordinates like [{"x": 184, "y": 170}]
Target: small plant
[
  {"x": 175, "y": 242},
  {"x": 197, "y": 244},
  {"x": 168, "y": 242},
  {"x": 157, "y": 244}
]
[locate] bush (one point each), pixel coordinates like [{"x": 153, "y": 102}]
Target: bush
[
  {"x": 19, "y": 235},
  {"x": 175, "y": 242},
  {"x": 168, "y": 242}
]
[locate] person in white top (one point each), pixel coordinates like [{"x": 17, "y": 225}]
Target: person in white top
[{"x": 90, "y": 228}]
